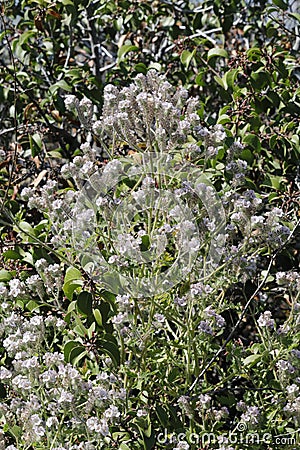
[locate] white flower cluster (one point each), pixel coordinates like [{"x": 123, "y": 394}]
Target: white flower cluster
[
  {"x": 81, "y": 167},
  {"x": 50, "y": 274},
  {"x": 212, "y": 139},
  {"x": 265, "y": 320},
  {"x": 84, "y": 109},
  {"x": 292, "y": 279},
  {"x": 251, "y": 416},
  {"x": 47, "y": 392},
  {"x": 149, "y": 111},
  {"x": 213, "y": 322}
]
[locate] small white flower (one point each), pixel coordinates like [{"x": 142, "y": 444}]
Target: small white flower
[
  {"x": 70, "y": 102},
  {"x": 265, "y": 320},
  {"x": 52, "y": 422}
]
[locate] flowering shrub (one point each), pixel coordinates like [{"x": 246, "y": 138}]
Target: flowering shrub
[
  {"x": 149, "y": 289},
  {"x": 160, "y": 311}
]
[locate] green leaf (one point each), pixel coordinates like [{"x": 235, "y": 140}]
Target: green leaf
[
  {"x": 126, "y": 49},
  {"x": 98, "y": 317},
  {"x": 224, "y": 118},
  {"x": 5, "y": 275},
  {"x": 124, "y": 446},
  {"x": 259, "y": 79},
  {"x": 35, "y": 143},
  {"x": 217, "y": 52},
  {"x": 252, "y": 359},
  {"x": 247, "y": 155},
  {"x": 85, "y": 302},
  {"x": 221, "y": 82},
  {"x": 25, "y": 36},
  {"x": 72, "y": 274},
  {"x": 16, "y": 431},
  {"x": 274, "y": 181},
  {"x": 141, "y": 68},
  {"x": 230, "y": 77},
  {"x": 295, "y": 16},
  {"x": 11, "y": 254},
  {"x": 77, "y": 354},
  {"x": 145, "y": 243},
  {"x": 70, "y": 287},
  {"x": 109, "y": 297},
  {"x": 25, "y": 226},
  {"x": 72, "y": 349},
  {"x": 91, "y": 330},
  {"x": 186, "y": 57},
  {"x": 162, "y": 416},
  {"x": 281, "y": 4},
  {"x": 156, "y": 66},
  {"x": 62, "y": 84},
  {"x": 111, "y": 349},
  {"x": 31, "y": 305},
  {"x": 253, "y": 142}
]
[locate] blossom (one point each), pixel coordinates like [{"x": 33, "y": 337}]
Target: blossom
[
  {"x": 16, "y": 287},
  {"x": 251, "y": 415},
  {"x": 265, "y": 320},
  {"x": 70, "y": 102}
]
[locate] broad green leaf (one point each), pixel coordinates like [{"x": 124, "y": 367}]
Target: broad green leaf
[
  {"x": 25, "y": 226},
  {"x": 69, "y": 346},
  {"x": 76, "y": 356},
  {"x": 252, "y": 141},
  {"x": 85, "y": 302},
  {"x": 221, "y": 82},
  {"x": 61, "y": 84},
  {"x": 109, "y": 297},
  {"x": 247, "y": 155},
  {"x": 219, "y": 52},
  {"x": 70, "y": 287},
  {"x": 186, "y": 57},
  {"x": 230, "y": 77},
  {"x": 11, "y": 254},
  {"x": 72, "y": 274},
  {"x": 25, "y": 36},
  {"x": 126, "y": 49},
  {"x": 141, "y": 68},
  {"x": 281, "y": 4},
  {"x": 124, "y": 446},
  {"x": 5, "y": 275},
  {"x": 224, "y": 118},
  {"x": 111, "y": 349},
  {"x": 252, "y": 359},
  {"x": 31, "y": 305},
  {"x": 260, "y": 79},
  {"x": 162, "y": 416}
]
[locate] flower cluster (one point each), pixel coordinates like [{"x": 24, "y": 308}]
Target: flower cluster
[
  {"x": 47, "y": 392},
  {"x": 148, "y": 112}
]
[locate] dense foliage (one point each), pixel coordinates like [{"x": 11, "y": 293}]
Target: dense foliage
[{"x": 150, "y": 179}]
